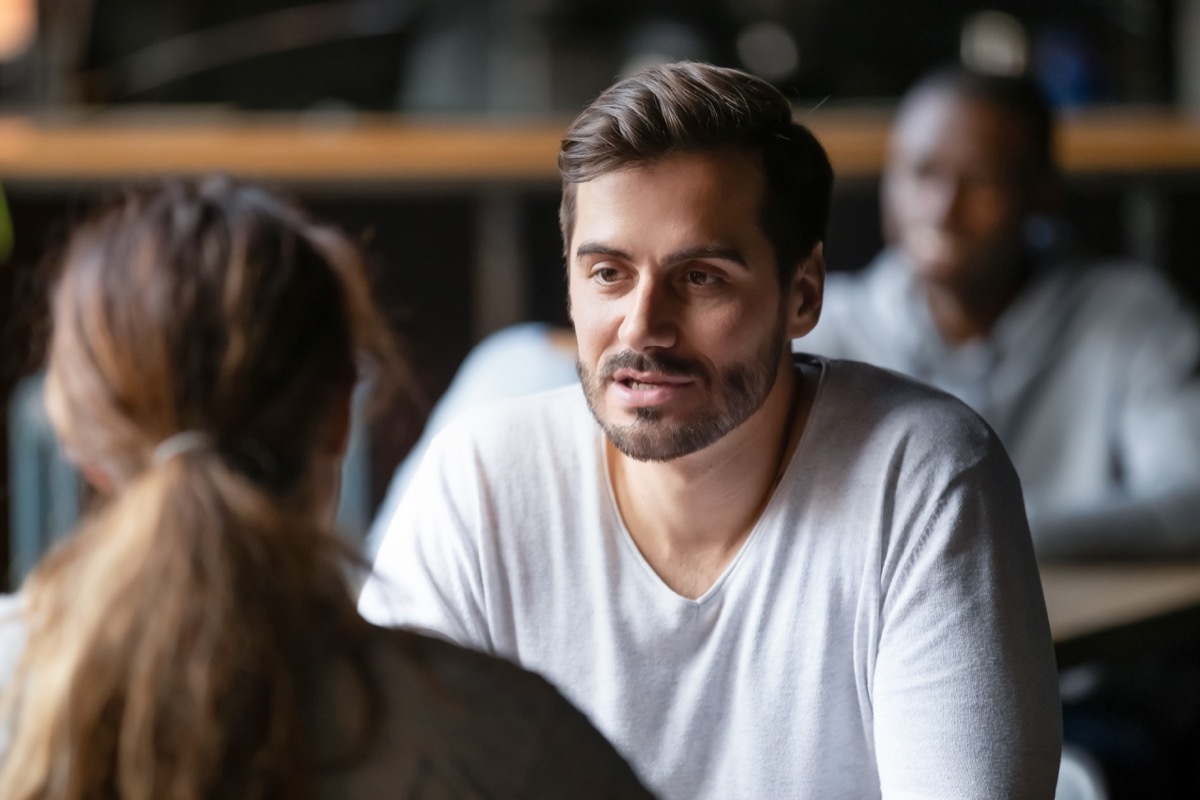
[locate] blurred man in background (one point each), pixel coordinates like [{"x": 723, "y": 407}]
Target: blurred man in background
[{"x": 1088, "y": 372}]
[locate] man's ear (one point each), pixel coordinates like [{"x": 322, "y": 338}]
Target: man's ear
[{"x": 806, "y": 293}]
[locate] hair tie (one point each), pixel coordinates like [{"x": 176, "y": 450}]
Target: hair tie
[{"x": 180, "y": 443}]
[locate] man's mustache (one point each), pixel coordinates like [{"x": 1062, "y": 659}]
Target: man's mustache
[{"x": 662, "y": 363}]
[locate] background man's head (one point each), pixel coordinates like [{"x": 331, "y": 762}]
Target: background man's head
[
  {"x": 970, "y": 159},
  {"x": 691, "y": 107}
]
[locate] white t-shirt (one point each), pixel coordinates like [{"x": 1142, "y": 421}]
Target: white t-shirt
[{"x": 881, "y": 632}]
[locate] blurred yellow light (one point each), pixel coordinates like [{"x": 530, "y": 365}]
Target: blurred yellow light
[{"x": 18, "y": 23}]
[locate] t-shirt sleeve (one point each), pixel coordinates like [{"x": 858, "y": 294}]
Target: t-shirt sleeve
[
  {"x": 427, "y": 572},
  {"x": 964, "y": 692}
]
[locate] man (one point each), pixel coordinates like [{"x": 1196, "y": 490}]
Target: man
[
  {"x": 761, "y": 576},
  {"x": 1090, "y": 375}
]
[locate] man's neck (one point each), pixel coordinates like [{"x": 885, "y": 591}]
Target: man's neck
[
  {"x": 690, "y": 516},
  {"x": 963, "y": 313}
]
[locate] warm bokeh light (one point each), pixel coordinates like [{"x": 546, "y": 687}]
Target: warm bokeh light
[
  {"x": 768, "y": 49},
  {"x": 995, "y": 42},
  {"x": 18, "y": 24}
]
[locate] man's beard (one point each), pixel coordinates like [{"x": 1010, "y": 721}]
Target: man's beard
[{"x": 737, "y": 392}]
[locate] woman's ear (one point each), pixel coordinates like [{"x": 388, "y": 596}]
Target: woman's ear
[
  {"x": 325, "y": 470},
  {"x": 97, "y": 478},
  {"x": 806, "y": 293},
  {"x": 336, "y": 434}
]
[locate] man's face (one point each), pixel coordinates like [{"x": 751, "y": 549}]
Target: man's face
[
  {"x": 956, "y": 189},
  {"x": 676, "y": 304}
]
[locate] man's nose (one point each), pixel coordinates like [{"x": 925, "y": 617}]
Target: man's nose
[
  {"x": 942, "y": 199},
  {"x": 650, "y": 318}
]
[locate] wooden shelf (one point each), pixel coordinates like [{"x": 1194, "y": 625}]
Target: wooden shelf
[
  {"x": 1106, "y": 609},
  {"x": 396, "y": 150},
  {"x": 371, "y": 151}
]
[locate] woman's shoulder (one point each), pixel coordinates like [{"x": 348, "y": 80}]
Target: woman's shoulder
[
  {"x": 429, "y": 676},
  {"x": 473, "y": 714}
]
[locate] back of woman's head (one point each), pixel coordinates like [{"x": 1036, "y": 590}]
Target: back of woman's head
[
  {"x": 169, "y": 641},
  {"x": 204, "y": 306}
]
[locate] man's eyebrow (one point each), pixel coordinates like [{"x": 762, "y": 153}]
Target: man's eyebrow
[
  {"x": 597, "y": 249},
  {"x": 708, "y": 251},
  {"x": 677, "y": 257}
]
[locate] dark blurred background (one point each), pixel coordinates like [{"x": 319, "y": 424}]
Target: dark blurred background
[
  {"x": 554, "y": 55},
  {"x": 500, "y": 60}
]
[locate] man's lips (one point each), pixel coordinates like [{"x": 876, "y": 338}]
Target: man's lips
[
  {"x": 636, "y": 389},
  {"x": 649, "y": 380},
  {"x": 638, "y": 380}
]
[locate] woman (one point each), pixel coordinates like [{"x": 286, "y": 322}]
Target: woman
[{"x": 197, "y": 637}]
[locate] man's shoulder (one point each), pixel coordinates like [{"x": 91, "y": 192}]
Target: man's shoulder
[
  {"x": 884, "y": 388},
  {"x": 1118, "y": 307},
  {"x": 880, "y": 433},
  {"x": 873, "y": 402},
  {"x": 1117, "y": 284}
]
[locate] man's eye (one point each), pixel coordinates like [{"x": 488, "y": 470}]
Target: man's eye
[
  {"x": 699, "y": 278},
  {"x": 605, "y": 274}
]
